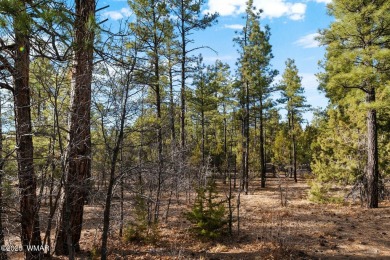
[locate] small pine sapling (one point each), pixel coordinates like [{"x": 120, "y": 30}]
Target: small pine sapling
[
  {"x": 208, "y": 214},
  {"x": 141, "y": 229}
]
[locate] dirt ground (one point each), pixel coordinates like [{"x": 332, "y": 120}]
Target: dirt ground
[{"x": 301, "y": 230}]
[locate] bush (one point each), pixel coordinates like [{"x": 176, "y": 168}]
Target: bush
[
  {"x": 320, "y": 193},
  {"x": 207, "y": 214},
  {"x": 141, "y": 229}
]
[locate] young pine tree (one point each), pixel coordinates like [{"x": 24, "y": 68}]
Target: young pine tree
[
  {"x": 357, "y": 55},
  {"x": 294, "y": 100},
  {"x": 207, "y": 213}
]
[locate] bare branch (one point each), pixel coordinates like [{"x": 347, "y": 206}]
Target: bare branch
[
  {"x": 6, "y": 86},
  {"x": 6, "y": 64}
]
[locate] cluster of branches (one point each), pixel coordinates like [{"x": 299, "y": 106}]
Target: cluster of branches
[
  {"x": 136, "y": 112},
  {"x": 103, "y": 111}
]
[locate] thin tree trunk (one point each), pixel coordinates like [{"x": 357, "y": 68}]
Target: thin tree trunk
[
  {"x": 183, "y": 79},
  {"x": 78, "y": 155},
  {"x": 171, "y": 106},
  {"x": 157, "y": 86},
  {"x": 245, "y": 130},
  {"x": 3, "y": 253},
  {"x": 141, "y": 147},
  {"x": 262, "y": 157},
  {"x": 246, "y": 141},
  {"x": 53, "y": 204},
  {"x": 242, "y": 183},
  {"x": 226, "y": 164},
  {"x": 294, "y": 148},
  {"x": 230, "y": 205},
  {"x": 233, "y": 132},
  {"x": 203, "y": 137},
  {"x": 107, "y": 208},
  {"x": 159, "y": 143},
  {"x": 290, "y": 154},
  {"x": 122, "y": 215},
  {"x": 115, "y": 153},
  {"x": 372, "y": 173}
]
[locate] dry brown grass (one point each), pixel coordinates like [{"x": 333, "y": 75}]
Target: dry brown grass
[{"x": 302, "y": 230}]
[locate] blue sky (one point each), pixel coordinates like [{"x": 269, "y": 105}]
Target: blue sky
[{"x": 293, "y": 23}]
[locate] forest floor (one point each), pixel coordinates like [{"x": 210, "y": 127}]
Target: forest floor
[{"x": 301, "y": 230}]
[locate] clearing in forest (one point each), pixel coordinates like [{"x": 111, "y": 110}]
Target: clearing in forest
[{"x": 302, "y": 230}]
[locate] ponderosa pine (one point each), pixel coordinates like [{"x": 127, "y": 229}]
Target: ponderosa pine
[{"x": 357, "y": 55}]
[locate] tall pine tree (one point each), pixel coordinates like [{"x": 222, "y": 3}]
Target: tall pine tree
[
  {"x": 357, "y": 55},
  {"x": 256, "y": 78},
  {"x": 188, "y": 19},
  {"x": 292, "y": 97},
  {"x": 78, "y": 154},
  {"x": 152, "y": 31},
  {"x": 15, "y": 63}
]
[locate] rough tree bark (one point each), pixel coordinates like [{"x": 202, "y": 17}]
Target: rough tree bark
[
  {"x": 183, "y": 79},
  {"x": 157, "y": 88},
  {"x": 372, "y": 173},
  {"x": 294, "y": 147},
  {"x": 202, "y": 122},
  {"x": 262, "y": 154},
  {"x": 78, "y": 154},
  {"x": 30, "y": 232},
  {"x": 245, "y": 144},
  {"x": 3, "y": 254},
  {"x": 171, "y": 103}
]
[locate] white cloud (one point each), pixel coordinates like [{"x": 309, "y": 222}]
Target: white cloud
[
  {"x": 323, "y": 1},
  {"x": 298, "y": 11},
  {"x": 308, "y": 41},
  {"x": 234, "y": 26},
  {"x": 117, "y": 15},
  {"x": 309, "y": 82},
  {"x": 271, "y": 9},
  {"x": 225, "y": 58},
  {"x": 126, "y": 11},
  {"x": 226, "y": 7}
]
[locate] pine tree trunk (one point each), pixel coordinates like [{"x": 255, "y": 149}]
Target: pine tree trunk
[
  {"x": 159, "y": 138},
  {"x": 122, "y": 188},
  {"x": 294, "y": 148},
  {"x": 78, "y": 155},
  {"x": 246, "y": 142},
  {"x": 3, "y": 254},
  {"x": 172, "y": 107},
  {"x": 183, "y": 79},
  {"x": 243, "y": 156},
  {"x": 290, "y": 153},
  {"x": 262, "y": 155},
  {"x": 30, "y": 232},
  {"x": 372, "y": 173},
  {"x": 107, "y": 208},
  {"x": 226, "y": 160},
  {"x": 203, "y": 138},
  {"x": 116, "y": 152}
]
